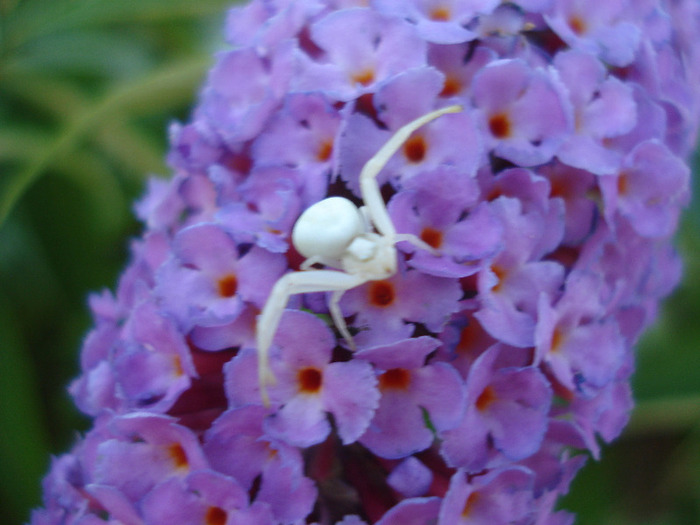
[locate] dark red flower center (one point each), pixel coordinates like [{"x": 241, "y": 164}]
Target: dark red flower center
[
  {"x": 395, "y": 379},
  {"x": 415, "y": 149},
  {"x": 499, "y": 124},
  {"x": 381, "y": 293},
  {"x": 178, "y": 455},
  {"x": 486, "y": 398},
  {"x": 309, "y": 380},
  {"x": 215, "y": 516},
  {"x": 228, "y": 285},
  {"x": 431, "y": 237}
]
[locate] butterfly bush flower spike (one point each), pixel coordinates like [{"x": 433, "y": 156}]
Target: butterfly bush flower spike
[{"x": 398, "y": 271}]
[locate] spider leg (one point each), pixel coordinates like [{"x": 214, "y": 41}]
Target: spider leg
[
  {"x": 268, "y": 320},
  {"x": 417, "y": 242},
  {"x": 338, "y": 318},
  {"x": 369, "y": 187}
]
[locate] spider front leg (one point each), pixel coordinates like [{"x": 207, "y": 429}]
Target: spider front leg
[
  {"x": 371, "y": 195},
  {"x": 288, "y": 285}
]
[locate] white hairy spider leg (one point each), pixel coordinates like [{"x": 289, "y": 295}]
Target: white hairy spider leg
[
  {"x": 337, "y": 316},
  {"x": 417, "y": 242},
  {"x": 291, "y": 284},
  {"x": 369, "y": 187}
]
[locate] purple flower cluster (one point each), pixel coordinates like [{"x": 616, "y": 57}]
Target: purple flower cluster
[{"x": 485, "y": 372}]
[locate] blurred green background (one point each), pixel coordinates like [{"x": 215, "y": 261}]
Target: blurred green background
[{"x": 87, "y": 89}]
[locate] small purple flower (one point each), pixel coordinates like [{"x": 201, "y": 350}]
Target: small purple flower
[
  {"x": 396, "y": 102},
  {"x": 440, "y": 208},
  {"x": 202, "y": 497},
  {"x": 648, "y": 190},
  {"x": 534, "y": 194},
  {"x": 386, "y": 307},
  {"x": 583, "y": 348},
  {"x": 464, "y": 339},
  {"x": 603, "y": 108},
  {"x": 602, "y": 28},
  {"x": 236, "y": 445},
  {"x": 209, "y": 282},
  {"x": 499, "y": 496},
  {"x": 604, "y": 415},
  {"x": 143, "y": 365},
  {"x": 417, "y": 401},
  {"x": 572, "y": 186},
  {"x": 265, "y": 214},
  {"x": 152, "y": 364},
  {"x": 308, "y": 385},
  {"x": 506, "y": 415},
  {"x": 509, "y": 285},
  {"x": 459, "y": 65},
  {"x": 266, "y": 24},
  {"x": 302, "y": 136},
  {"x": 439, "y": 21},
  {"x": 359, "y": 49},
  {"x": 238, "y": 107},
  {"x": 410, "y": 95},
  {"x": 133, "y": 453},
  {"x": 524, "y": 110}
]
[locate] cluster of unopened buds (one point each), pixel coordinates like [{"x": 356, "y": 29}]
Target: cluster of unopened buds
[{"x": 400, "y": 269}]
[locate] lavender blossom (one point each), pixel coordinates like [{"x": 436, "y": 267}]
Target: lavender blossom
[{"x": 483, "y": 373}]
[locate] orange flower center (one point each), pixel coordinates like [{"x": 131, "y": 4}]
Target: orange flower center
[
  {"x": 499, "y": 124},
  {"x": 500, "y": 274},
  {"x": 440, "y": 14},
  {"x": 228, "y": 286},
  {"x": 431, "y": 237},
  {"x": 577, "y": 25},
  {"x": 395, "y": 379},
  {"x": 178, "y": 455},
  {"x": 215, "y": 516},
  {"x": 324, "y": 151},
  {"x": 309, "y": 380},
  {"x": 622, "y": 184},
  {"x": 364, "y": 78},
  {"x": 469, "y": 504},
  {"x": 451, "y": 87},
  {"x": 381, "y": 293},
  {"x": 415, "y": 149},
  {"x": 558, "y": 337},
  {"x": 486, "y": 398}
]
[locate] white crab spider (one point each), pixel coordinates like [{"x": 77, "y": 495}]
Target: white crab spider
[{"x": 334, "y": 232}]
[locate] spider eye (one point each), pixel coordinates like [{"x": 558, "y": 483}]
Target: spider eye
[{"x": 327, "y": 228}]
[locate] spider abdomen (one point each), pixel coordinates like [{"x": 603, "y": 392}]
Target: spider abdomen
[{"x": 326, "y": 228}]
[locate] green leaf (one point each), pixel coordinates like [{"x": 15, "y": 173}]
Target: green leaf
[
  {"x": 21, "y": 143},
  {"x": 161, "y": 90},
  {"x": 23, "y": 439},
  {"x": 134, "y": 151},
  {"x": 33, "y": 19},
  {"x": 92, "y": 52},
  {"x": 100, "y": 190},
  {"x": 49, "y": 94},
  {"x": 86, "y": 169}
]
